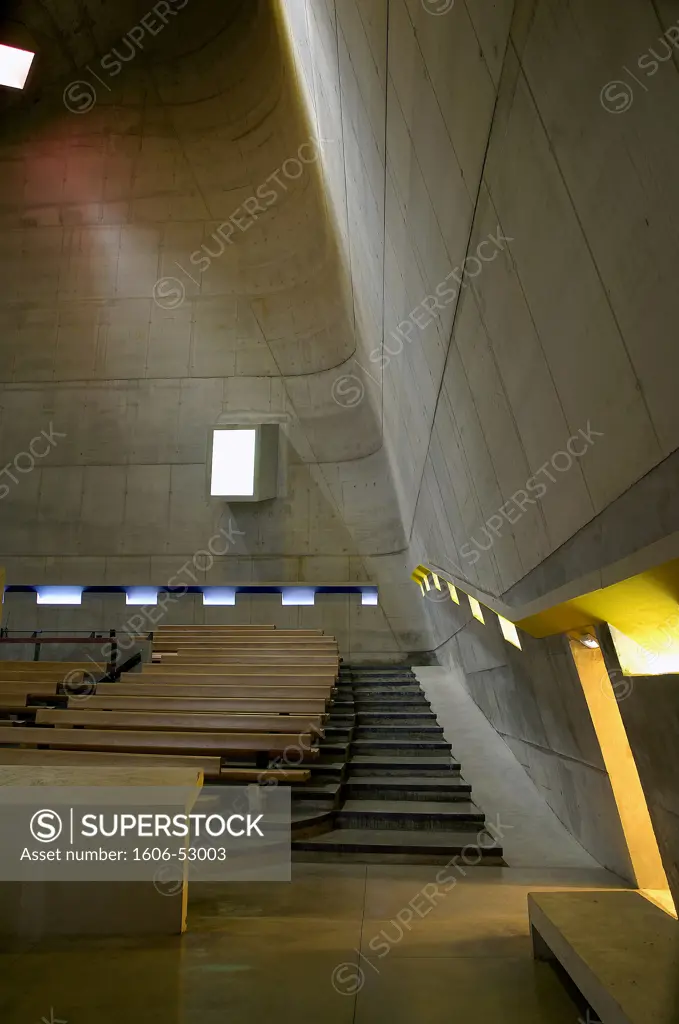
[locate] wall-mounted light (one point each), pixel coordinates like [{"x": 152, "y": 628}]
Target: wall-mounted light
[
  {"x": 244, "y": 462},
  {"x": 14, "y": 66},
  {"x": 370, "y": 596},
  {"x": 299, "y": 595},
  {"x": 509, "y": 632},
  {"x": 587, "y": 640},
  {"x": 219, "y": 596},
  {"x": 141, "y": 595},
  {"x": 476, "y": 609},
  {"x": 60, "y": 595}
]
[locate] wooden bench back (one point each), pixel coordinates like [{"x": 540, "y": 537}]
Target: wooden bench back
[
  {"x": 241, "y": 705},
  {"x": 179, "y": 721},
  {"x": 150, "y": 741},
  {"x": 210, "y": 766},
  {"x": 125, "y": 689}
]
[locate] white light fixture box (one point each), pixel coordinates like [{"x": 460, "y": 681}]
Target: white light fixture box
[
  {"x": 219, "y": 596},
  {"x": 298, "y": 596},
  {"x": 244, "y": 462},
  {"x": 60, "y": 595},
  {"x": 14, "y": 66},
  {"x": 141, "y": 595}
]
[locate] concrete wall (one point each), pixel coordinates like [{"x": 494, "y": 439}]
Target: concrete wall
[
  {"x": 406, "y": 431},
  {"x": 534, "y": 700},
  {"x": 649, "y": 706},
  {"x": 541, "y": 388},
  {"x": 130, "y": 327},
  {"x": 363, "y": 632}
]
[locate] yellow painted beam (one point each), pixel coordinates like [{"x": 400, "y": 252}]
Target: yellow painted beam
[{"x": 622, "y": 771}]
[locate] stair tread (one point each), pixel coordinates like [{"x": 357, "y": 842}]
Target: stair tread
[
  {"x": 412, "y": 808},
  {"x": 395, "y": 837},
  {"x": 402, "y": 741},
  {"x": 416, "y": 762},
  {"x": 404, "y": 781}
]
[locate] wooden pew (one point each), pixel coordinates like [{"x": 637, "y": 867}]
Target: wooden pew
[
  {"x": 48, "y": 670},
  {"x": 146, "y": 689},
  {"x": 179, "y": 720},
  {"x": 18, "y": 688},
  {"x": 158, "y": 741},
  {"x": 255, "y": 656},
  {"x": 189, "y": 677},
  {"x": 210, "y": 766},
  {"x": 174, "y": 647},
  {"x": 240, "y": 671},
  {"x": 259, "y": 664},
  {"x": 236, "y": 628},
  {"x": 251, "y": 705}
]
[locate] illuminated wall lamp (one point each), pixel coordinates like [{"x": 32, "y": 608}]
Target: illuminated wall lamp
[
  {"x": 219, "y": 596},
  {"x": 476, "y": 609},
  {"x": 141, "y": 595},
  {"x": 60, "y": 595},
  {"x": 509, "y": 632},
  {"x": 244, "y": 462},
  {"x": 298, "y": 596},
  {"x": 14, "y": 66}
]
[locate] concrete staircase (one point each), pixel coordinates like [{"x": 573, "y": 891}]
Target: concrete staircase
[{"x": 386, "y": 786}]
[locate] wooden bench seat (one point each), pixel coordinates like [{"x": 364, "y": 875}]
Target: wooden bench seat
[
  {"x": 237, "y": 673},
  {"x": 179, "y": 721},
  {"x": 46, "y": 670},
  {"x": 17, "y": 688},
  {"x": 254, "y": 648},
  {"x": 210, "y": 766},
  {"x": 236, "y": 628},
  {"x": 233, "y": 679},
  {"x": 160, "y": 689},
  {"x": 155, "y": 741},
  {"x": 254, "y": 658},
  {"x": 254, "y": 705}
]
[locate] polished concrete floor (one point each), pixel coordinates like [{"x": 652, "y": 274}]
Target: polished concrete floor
[{"x": 344, "y": 944}]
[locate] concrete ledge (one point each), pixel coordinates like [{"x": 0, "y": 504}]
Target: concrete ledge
[{"x": 620, "y": 950}]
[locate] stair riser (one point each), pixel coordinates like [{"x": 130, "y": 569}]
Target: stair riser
[
  {"x": 399, "y": 748},
  {"x": 403, "y": 822},
  {"x": 394, "y": 772},
  {"x": 388, "y": 732},
  {"x": 411, "y": 717},
  {"x": 441, "y": 793}
]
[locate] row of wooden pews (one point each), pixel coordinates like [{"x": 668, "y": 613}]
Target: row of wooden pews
[{"x": 225, "y": 700}]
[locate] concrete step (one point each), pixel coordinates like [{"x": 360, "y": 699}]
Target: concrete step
[
  {"x": 338, "y": 733},
  {"x": 317, "y": 790},
  {"x": 400, "y": 717},
  {"x": 433, "y": 766},
  {"x": 406, "y": 787},
  {"x": 329, "y": 769},
  {"x": 332, "y": 752},
  {"x": 416, "y": 704},
  {"x": 400, "y": 846},
  {"x": 399, "y": 728},
  {"x": 392, "y": 694},
  {"x": 411, "y": 815},
  {"x": 403, "y": 747}
]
